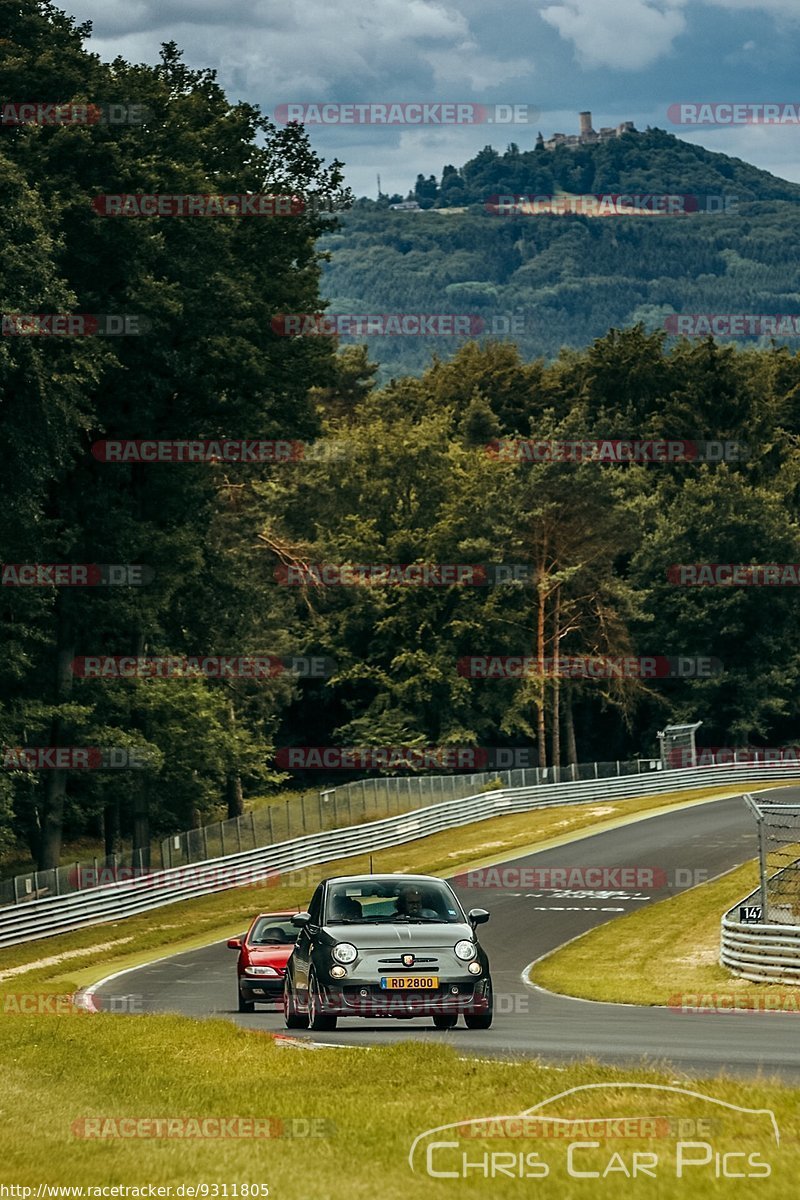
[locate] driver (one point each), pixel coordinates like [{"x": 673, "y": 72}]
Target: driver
[{"x": 409, "y": 903}]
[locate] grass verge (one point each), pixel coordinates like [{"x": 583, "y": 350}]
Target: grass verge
[
  {"x": 68, "y": 961},
  {"x": 368, "y": 1106},
  {"x": 662, "y": 952}
]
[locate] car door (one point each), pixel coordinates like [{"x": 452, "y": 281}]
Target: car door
[{"x": 301, "y": 954}]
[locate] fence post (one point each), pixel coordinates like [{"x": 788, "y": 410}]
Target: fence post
[
  {"x": 16, "y": 889},
  {"x": 222, "y": 837},
  {"x": 205, "y": 843},
  {"x": 78, "y": 876},
  {"x": 239, "y": 832},
  {"x": 303, "y": 810},
  {"x": 288, "y": 820},
  {"x": 253, "y": 827},
  {"x": 271, "y": 830},
  {"x": 762, "y": 867},
  {"x": 595, "y": 771}
]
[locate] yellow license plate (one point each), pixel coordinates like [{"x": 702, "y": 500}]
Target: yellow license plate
[{"x": 410, "y": 983}]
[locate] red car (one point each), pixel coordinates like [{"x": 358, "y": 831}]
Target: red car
[{"x": 263, "y": 953}]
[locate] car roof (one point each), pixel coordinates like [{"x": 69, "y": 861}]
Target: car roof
[{"x": 387, "y": 878}]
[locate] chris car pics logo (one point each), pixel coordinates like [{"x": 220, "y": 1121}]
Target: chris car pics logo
[{"x": 607, "y": 1132}]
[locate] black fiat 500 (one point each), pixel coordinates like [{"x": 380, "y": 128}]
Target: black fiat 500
[{"x": 387, "y": 946}]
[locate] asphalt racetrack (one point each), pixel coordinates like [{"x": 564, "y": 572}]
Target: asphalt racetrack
[{"x": 526, "y": 923}]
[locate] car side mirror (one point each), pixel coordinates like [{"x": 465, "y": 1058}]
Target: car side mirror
[
  {"x": 234, "y": 943},
  {"x": 478, "y": 916},
  {"x": 300, "y": 919}
]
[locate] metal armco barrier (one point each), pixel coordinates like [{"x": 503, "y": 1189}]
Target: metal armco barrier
[
  {"x": 59, "y": 914},
  {"x": 763, "y": 953}
]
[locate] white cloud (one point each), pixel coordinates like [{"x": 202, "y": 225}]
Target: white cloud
[
  {"x": 384, "y": 50},
  {"x": 469, "y": 65},
  {"x": 626, "y": 36}
]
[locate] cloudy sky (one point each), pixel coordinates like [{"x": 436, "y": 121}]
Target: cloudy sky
[{"x": 623, "y": 59}]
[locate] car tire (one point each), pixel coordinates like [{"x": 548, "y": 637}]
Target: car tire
[
  {"x": 318, "y": 1021},
  {"x": 481, "y": 1020},
  {"x": 245, "y": 1006},
  {"x": 445, "y": 1020},
  {"x": 291, "y": 1017}
]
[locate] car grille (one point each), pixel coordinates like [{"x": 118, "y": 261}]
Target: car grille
[{"x": 396, "y": 963}]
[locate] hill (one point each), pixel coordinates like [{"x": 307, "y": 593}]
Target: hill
[{"x": 549, "y": 281}]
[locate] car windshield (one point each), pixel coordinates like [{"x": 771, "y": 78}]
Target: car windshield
[
  {"x": 384, "y": 901},
  {"x": 273, "y": 931}
]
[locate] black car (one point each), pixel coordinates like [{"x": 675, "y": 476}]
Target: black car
[{"x": 387, "y": 946}]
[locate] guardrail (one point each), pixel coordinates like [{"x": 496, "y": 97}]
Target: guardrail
[
  {"x": 763, "y": 953},
  {"x": 335, "y": 808},
  {"x": 59, "y": 914}
]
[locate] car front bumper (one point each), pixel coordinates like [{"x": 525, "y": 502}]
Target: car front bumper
[
  {"x": 371, "y": 1000},
  {"x": 261, "y": 988}
]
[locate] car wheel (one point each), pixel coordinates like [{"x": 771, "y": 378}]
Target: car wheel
[
  {"x": 246, "y": 1006},
  {"x": 445, "y": 1020},
  {"x": 481, "y": 1020},
  {"x": 292, "y": 1018},
  {"x": 317, "y": 1020}
]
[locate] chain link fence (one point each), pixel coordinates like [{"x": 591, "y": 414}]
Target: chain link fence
[
  {"x": 779, "y": 858},
  {"x": 335, "y": 808}
]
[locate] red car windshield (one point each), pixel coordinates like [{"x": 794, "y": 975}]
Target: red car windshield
[{"x": 273, "y": 931}]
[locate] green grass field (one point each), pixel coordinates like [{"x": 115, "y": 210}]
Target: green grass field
[
  {"x": 368, "y": 1105},
  {"x": 661, "y": 951}
]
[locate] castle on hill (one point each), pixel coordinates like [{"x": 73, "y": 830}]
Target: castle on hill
[{"x": 587, "y": 135}]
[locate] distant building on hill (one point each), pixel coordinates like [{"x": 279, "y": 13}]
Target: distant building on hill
[
  {"x": 587, "y": 136},
  {"x": 406, "y": 206}
]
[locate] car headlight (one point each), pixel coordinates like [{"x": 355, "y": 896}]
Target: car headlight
[
  {"x": 260, "y": 971},
  {"x": 465, "y": 950},
  {"x": 475, "y": 968},
  {"x": 338, "y": 973},
  {"x": 344, "y": 952}
]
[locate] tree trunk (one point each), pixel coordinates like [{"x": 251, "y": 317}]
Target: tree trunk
[
  {"x": 111, "y": 827},
  {"x": 540, "y": 717},
  {"x": 569, "y": 728},
  {"x": 55, "y": 787},
  {"x": 233, "y": 782},
  {"x": 555, "y": 732},
  {"x": 141, "y": 788}
]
